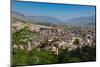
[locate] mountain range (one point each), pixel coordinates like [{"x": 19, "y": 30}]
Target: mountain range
[
  {"x": 36, "y": 19},
  {"x": 90, "y": 20}
]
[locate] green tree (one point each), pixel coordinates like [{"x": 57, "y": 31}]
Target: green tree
[
  {"x": 41, "y": 57},
  {"x": 19, "y": 57},
  {"x": 76, "y": 42}
]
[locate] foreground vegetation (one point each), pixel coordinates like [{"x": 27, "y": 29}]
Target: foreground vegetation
[{"x": 24, "y": 57}]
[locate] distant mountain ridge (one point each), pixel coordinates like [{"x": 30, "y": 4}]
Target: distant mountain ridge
[
  {"x": 91, "y": 24},
  {"x": 36, "y": 19},
  {"x": 82, "y": 20},
  {"x": 52, "y": 20}
]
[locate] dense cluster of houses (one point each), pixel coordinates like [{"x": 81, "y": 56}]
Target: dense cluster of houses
[
  {"x": 66, "y": 38},
  {"x": 55, "y": 38}
]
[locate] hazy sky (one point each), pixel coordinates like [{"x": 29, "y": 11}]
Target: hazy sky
[{"x": 61, "y": 11}]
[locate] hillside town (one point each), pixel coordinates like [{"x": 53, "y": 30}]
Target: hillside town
[{"x": 50, "y": 37}]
